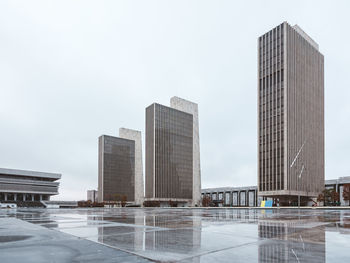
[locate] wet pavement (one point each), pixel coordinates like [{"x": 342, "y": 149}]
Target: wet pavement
[{"x": 174, "y": 235}]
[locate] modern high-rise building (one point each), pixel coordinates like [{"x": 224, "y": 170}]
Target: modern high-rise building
[
  {"x": 290, "y": 114},
  {"x": 170, "y": 155},
  {"x": 116, "y": 169},
  {"x": 120, "y": 172},
  {"x": 192, "y": 108}
]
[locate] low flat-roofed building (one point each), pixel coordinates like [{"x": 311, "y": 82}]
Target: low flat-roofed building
[
  {"x": 22, "y": 185},
  {"x": 338, "y": 186},
  {"x": 233, "y": 196},
  {"x": 248, "y": 195}
]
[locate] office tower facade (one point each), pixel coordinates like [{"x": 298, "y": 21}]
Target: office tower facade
[
  {"x": 116, "y": 169},
  {"x": 169, "y": 154},
  {"x": 192, "y": 108},
  {"x": 290, "y": 114},
  {"x": 139, "y": 186}
]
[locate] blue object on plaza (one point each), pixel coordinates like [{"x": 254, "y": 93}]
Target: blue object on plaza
[{"x": 268, "y": 203}]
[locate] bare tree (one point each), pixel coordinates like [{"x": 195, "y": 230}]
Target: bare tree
[
  {"x": 108, "y": 197},
  {"x": 206, "y": 200},
  {"x": 123, "y": 200},
  {"x": 334, "y": 197},
  {"x": 328, "y": 196},
  {"x": 320, "y": 198}
]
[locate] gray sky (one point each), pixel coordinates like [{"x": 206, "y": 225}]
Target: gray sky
[{"x": 73, "y": 70}]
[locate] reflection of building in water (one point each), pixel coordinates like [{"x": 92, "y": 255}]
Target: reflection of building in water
[
  {"x": 228, "y": 215},
  {"x": 185, "y": 233},
  {"x": 291, "y": 241},
  {"x": 156, "y": 232},
  {"x": 131, "y": 228},
  {"x": 340, "y": 219}
]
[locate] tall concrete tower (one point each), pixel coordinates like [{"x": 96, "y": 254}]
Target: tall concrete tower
[
  {"x": 172, "y": 153},
  {"x": 192, "y": 108},
  {"x": 120, "y": 170},
  {"x": 169, "y": 155},
  {"x": 116, "y": 169},
  {"x": 290, "y": 115}
]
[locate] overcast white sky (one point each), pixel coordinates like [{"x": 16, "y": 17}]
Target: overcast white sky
[{"x": 73, "y": 70}]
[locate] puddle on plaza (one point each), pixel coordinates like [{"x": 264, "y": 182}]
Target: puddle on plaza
[
  {"x": 195, "y": 235},
  {"x": 12, "y": 238}
]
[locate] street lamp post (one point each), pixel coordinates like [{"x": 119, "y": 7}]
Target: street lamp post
[{"x": 301, "y": 172}]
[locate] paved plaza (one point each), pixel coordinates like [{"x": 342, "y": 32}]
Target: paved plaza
[{"x": 174, "y": 235}]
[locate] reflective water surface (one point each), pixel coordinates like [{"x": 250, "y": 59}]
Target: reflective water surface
[{"x": 207, "y": 235}]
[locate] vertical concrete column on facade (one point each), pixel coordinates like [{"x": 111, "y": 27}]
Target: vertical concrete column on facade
[
  {"x": 15, "y": 197},
  {"x": 41, "y": 197},
  {"x": 24, "y": 197},
  {"x": 5, "y": 197},
  {"x": 32, "y": 197},
  {"x": 247, "y": 198},
  {"x": 139, "y": 185}
]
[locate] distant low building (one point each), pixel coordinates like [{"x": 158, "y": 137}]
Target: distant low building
[
  {"x": 21, "y": 185},
  {"x": 91, "y": 195},
  {"x": 233, "y": 196},
  {"x": 338, "y": 186},
  {"x": 248, "y": 195}
]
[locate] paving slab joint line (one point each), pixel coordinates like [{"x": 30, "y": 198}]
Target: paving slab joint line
[
  {"x": 126, "y": 251},
  {"x": 218, "y": 250}
]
